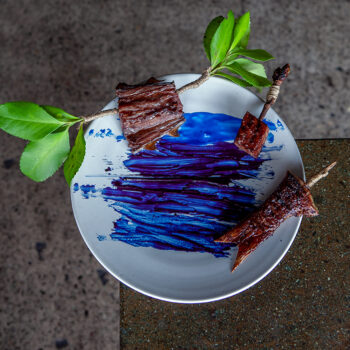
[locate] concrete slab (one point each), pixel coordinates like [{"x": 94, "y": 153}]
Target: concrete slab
[{"x": 53, "y": 292}]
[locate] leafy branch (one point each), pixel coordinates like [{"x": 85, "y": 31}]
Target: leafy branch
[
  {"x": 225, "y": 43},
  {"x": 47, "y": 128}
]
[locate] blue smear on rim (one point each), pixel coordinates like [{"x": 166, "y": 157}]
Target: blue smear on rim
[
  {"x": 102, "y": 133},
  {"x": 184, "y": 194}
]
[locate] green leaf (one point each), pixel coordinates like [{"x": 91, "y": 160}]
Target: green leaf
[
  {"x": 209, "y": 33},
  {"x": 230, "y": 59},
  {"x": 60, "y": 114},
  {"x": 253, "y": 73},
  {"x": 252, "y": 67},
  {"x": 76, "y": 156},
  {"x": 27, "y": 120},
  {"x": 258, "y": 55},
  {"x": 244, "y": 41},
  {"x": 42, "y": 158},
  {"x": 235, "y": 80},
  {"x": 221, "y": 40},
  {"x": 241, "y": 31}
]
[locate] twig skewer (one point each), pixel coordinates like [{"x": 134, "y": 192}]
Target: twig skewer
[
  {"x": 323, "y": 173},
  {"x": 279, "y": 75}
]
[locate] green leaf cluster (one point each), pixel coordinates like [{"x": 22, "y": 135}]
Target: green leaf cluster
[
  {"x": 225, "y": 43},
  {"x": 47, "y": 130}
]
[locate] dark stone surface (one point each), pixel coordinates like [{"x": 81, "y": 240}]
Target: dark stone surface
[
  {"x": 49, "y": 288},
  {"x": 301, "y": 304}
]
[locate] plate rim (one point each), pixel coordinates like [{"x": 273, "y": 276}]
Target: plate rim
[{"x": 192, "y": 301}]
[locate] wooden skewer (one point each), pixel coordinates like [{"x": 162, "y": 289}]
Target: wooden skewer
[
  {"x": 323, "y": 173},
  {"x": 279, "y": 75}
]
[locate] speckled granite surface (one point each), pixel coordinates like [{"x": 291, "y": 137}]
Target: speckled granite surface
[
  {"x": 303, "y": 303},
  {"x": 71, "y": 54}
]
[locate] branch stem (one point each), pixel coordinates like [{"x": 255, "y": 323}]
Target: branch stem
[
  {"x": 323, "y": 173},
  {"x": 279, "y": 75},
  {"x": 89, "y": 118},
  {"x": 194, "y": 84}
]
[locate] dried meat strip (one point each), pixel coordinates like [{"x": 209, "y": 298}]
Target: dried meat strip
[
  {"x": 251, "y": 135},
  {"x": 291, "y": 198},
  {"x": 148, "y": 111}
]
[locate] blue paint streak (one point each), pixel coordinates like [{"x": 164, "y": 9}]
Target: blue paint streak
[
  {"x": 272, "y": 148},
  {"x": 183, "y": 194},
  {"x": 204, "y": 149},
  {"x": 91, "y": 132},
  {"x": 273, "y": 128},
  {"x": 271, "y": 125},
  {"x": 102, "y": 238}
]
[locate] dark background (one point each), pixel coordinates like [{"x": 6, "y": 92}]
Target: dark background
[{"x": 71, "y": 54}]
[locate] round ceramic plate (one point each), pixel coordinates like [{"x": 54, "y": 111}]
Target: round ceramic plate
[{"x": 151, "y": 218}]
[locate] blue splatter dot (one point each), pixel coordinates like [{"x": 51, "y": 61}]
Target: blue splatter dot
[
  {"x": 101, "y": 133},
  {"x": 87, "y": 189},
  {"x": 91, "y": 132},
  {"x": 76, "y": 187},
  {"x": 120, "y": 138},
  {"x": 109, "y": 133},
  {"x": 280, "y": 125},
  {"x": 270, "y": 137},
  {"x": 101, "y": 238},
  {"x": 104, "y": 133}
]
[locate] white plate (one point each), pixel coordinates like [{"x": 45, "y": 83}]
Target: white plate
[{"x": 180, "y": 276}]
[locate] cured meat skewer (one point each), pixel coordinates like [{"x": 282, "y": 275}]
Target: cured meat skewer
[
  {"x": 253, "y": 131},
  {"x": 291, "y": 198},
  {"x": 148, "y": 111}
]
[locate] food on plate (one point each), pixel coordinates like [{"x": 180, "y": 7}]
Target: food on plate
[
  {"x": 291, "y": 198},
  {"x": 253, "y": 132},
  {"x": 148, "y": 111},
  {"x": 153, "y": 109}
]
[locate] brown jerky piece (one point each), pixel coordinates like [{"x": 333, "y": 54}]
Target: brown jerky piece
[
  {"x": 148, "y": 111},
  {"x": 292, "y": 198},
  {"x": 251, "y": 135}
]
